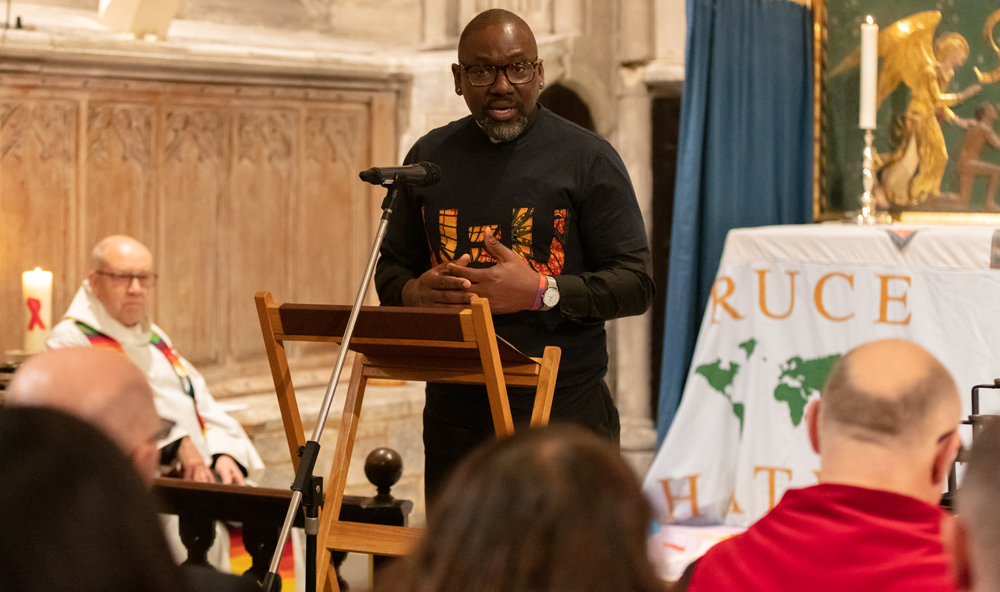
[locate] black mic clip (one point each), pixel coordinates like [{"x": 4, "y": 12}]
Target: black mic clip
[{"x": 420, "y": 174}]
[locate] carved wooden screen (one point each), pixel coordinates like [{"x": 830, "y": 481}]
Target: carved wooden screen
[{"x": 234, "y": 188}]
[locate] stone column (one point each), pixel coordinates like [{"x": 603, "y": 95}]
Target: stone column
[
  {"x": 631, "y": 336},
  {"x": 632, "y": 137}
]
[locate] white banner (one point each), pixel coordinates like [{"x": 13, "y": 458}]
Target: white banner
[{"x": 773, "y": 328}]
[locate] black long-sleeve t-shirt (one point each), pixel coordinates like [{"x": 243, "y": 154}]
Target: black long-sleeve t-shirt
[{"x": 558, "y": 195}]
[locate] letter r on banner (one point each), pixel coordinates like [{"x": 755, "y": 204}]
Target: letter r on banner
[
  {"x": 672, "y": 498},
  {"x": 720, "y": 300}
]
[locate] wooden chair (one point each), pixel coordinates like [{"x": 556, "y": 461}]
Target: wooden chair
[{"x": 421, "y": 344}]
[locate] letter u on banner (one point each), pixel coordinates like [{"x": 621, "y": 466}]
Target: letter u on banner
[{"x": 762, "y": 284}]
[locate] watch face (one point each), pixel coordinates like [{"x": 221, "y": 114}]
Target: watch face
[{"x": 551, "y": 297}]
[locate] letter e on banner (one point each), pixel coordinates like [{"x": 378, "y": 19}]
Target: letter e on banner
[
  {"x": 673, "y": 498},
  {"x": 885, "y": 298},
  {"x": 818, "y": 295},
  {"x": 718, "y": 300}
]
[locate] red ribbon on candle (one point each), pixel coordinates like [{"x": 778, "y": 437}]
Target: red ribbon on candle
[{"x": 35, "y": 306}]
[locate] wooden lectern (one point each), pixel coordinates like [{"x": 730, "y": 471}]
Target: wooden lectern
[{"x": 422, "y": 344}]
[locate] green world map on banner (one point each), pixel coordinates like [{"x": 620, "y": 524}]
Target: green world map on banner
[{"x": 797, "y": 381}]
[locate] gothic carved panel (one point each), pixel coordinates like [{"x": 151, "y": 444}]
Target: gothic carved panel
[
  {"x": 332, "y": 229},
  {"x": 194, "y": 167},
  {"x": 37, "y": 190},
  {"x": 120, "y": 173},
  {"x": 261, "y": 191},
  {"x": 332, "y": 226},
  {"x": 233, "y": 188}
]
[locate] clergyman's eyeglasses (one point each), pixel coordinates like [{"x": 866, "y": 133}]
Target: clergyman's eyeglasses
[
  {"x": 146, "y": 280},
  {"x": 519, "y": 73}
]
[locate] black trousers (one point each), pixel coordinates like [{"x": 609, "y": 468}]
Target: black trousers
[{"x": 457, "y": 420}]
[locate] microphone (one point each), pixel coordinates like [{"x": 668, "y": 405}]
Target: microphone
[{"x": 420, "y": 174}]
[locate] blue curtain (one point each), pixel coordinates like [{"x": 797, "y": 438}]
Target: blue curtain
[{"x": 745, "y": 154}]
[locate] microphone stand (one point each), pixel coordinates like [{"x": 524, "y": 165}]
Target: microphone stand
[{"x": 305, "y": 483}]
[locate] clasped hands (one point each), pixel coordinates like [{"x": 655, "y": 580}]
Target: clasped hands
[
  {"x": 511, "y": 285},
  {"x": 194, "y": 468}
]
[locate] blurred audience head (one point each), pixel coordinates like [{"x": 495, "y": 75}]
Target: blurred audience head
[
  {"x": 76, "y": 517},
  {"x": 973, "y": 538},
  {"x": 888, "y": 419},
  {"x": 549, "y": 509},
  {"x": 99, "y": 386}
]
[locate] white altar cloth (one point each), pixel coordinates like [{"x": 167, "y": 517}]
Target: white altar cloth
[{"x": 788, "y": 300}]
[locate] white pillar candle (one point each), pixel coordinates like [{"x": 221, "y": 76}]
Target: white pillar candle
[
  {"x": 37, "y": 288},
  {"x": 869, "y": 74}
]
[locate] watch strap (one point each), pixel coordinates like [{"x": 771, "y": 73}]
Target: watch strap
[{"x": 542, "y": 286}]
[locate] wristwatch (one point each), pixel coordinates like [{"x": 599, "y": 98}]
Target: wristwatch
[{"x": 550, "y": 297}]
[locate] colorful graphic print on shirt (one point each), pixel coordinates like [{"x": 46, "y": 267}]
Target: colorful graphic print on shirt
[{"x": 522, "y": 224}]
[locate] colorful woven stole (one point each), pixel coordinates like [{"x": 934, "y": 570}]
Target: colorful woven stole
[{"x": 98, "y": 339}]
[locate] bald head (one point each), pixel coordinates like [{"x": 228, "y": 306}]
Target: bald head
[
  {"x": 116, "y": 265},
  {"x": 890, "y": 391},
  {"x": 499, "y": 18},
  {"x": 97, "y": 385},
  {"x": 499, "y": 73},
  {"x": 112, "y": 250},
  {"x": 887, "y": 419}
]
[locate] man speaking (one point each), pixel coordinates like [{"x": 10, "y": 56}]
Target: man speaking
[{"x": 535, "y": 214}]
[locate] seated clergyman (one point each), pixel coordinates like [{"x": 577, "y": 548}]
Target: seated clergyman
[
  {"x": 109, "y": 310},
  {"x": 886, "y": 430}
]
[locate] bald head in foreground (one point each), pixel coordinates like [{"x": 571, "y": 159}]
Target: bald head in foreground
[
  {"x": 886, "y": 430},
  {"x": 973, "y": 538},
  {"x": 99, "y": 386}
]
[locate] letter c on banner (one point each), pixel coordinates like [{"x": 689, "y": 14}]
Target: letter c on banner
[{"x": 818, "y": 295}]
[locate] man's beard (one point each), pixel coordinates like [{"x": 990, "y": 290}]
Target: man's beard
[{"x": 504, "y": 131}]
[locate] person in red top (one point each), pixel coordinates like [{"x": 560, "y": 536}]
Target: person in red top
[{"x": 886, "y": 430}]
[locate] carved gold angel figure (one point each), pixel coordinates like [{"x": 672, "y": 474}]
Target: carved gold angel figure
[{"x": 912, "y": 172}]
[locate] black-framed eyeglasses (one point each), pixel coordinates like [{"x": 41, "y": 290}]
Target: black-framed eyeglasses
[
  {"x": 146, "y": 280},
  {"x": 517, "y": 73}
]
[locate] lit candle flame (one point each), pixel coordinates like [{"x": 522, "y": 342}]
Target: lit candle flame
[{"x": 870, "y": 21}]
